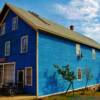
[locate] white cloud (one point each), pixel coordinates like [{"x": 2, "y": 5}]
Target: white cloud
[
  {"x": 92, "y": 31},
  {"x": 86, "y": 12},
  {"x": 79, "y": 9}
]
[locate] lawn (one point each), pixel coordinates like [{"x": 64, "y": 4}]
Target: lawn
[{"x": 88, "y": 96}]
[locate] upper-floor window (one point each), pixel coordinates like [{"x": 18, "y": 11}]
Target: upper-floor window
[
  {"x": 7, "y": 48},
  {"x": 24, "y": 44},
  {"x": 93, "y": 54},
  {"x": 28, "y": 76},
  {"x": 78, "y": 49},
  {"x": 3, "y": 29},
  {"x": 79, "y": 74},
  {"x": 14, "y": 23}
]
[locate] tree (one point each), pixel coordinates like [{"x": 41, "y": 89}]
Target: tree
[
  {"x": 88, "y": 76},
  {"x": 67, "y": 75}
]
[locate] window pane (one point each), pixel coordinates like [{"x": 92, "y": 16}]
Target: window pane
[
  {"x": 78, "y": 51},
  {"x": 7, "y": 48},
  {"x": 93, "y": 54},
  {"x": 3, "y": 29},
  {"x": 79, "y": 74},
  {"x": 28, "y": 76},
  {"x": 24, "y": 44},
  {"x": 15, "y": 23}
]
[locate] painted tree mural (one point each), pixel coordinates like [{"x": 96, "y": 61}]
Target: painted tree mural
[
  {"x": 87, "y": 73},
  {"x": 67, "y": 74}
]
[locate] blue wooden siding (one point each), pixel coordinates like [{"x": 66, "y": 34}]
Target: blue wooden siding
[
  {"x": 53, "y": 50},
  {"x": 22, "y": 60}
]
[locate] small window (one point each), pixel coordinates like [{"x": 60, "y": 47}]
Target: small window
[
  {"x": 78, "y": 50},
  {"x": 3, "y": 29},
  {"x": 7, "y": 48},
  {"x": 93, "y": 54},
  {"x": 28, "y": 76},
  {"x": 79, "y": 74},
  {"x": 24, "y": 44},
  {"x": 15, "y": 23}
]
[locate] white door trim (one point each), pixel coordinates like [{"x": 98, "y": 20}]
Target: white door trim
[{"x": 23, "y": 75}]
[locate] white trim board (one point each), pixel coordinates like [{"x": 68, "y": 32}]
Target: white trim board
[
  {"x": 4, "y": 17},
  {"x": 37, "y": 63}
]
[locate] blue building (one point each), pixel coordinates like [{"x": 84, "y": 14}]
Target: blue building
[{"x": 30, "y": 45}]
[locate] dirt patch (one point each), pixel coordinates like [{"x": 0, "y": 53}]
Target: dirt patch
[{"x": 17, "y": 98}]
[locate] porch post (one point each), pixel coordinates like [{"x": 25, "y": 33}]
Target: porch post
[{"x": 3, "y": 75}]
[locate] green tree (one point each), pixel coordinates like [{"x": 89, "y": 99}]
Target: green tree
[{"x": 67, "y": 75}]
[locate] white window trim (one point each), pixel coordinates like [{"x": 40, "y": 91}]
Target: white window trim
[
  {"x": 78, "y": 49},
  {"x": 93, "y": 54},
  {"x": 15, "y": 25},
  {"x": 7, "y": 42},
  {"x": 31, "y": 77},
  {"x": 3, "y": 29},
  {"x": 81, "y": 74},
  {"x": 25, "y": 36}
]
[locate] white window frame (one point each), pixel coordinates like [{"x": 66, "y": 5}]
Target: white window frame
[
  {"x": 3, "y": 29},
  {"x": 78, "y": 49},
  {"x": 23, "y": 37},
  {"x": 93, "y": 54},
  {"x": 15, "y": 23},
  {"x": 7, "y": 49},
  {"x": 77, "y": 74},
  {"x": 26, "y": 76}
]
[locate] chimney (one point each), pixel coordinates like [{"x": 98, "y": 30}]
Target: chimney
[{"x": 71, "y": 27}]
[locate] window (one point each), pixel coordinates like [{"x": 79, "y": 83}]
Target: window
[
  {"x": 79, "y": 74},
  {"x": 78, "y": 50},
  {"x": 93, "y": 54},
  {"x": 24, "y": 44},
  {"x": 15, "y": 23},
  {"x": 7, "y": 48},
  {"x": 3, "y": 29},
  {"x": 28, "y": 76},
  {"x": 9, "y": 73}
]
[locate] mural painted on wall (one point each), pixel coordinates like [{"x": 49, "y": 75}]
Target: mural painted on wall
[{"x": 51, "y": 82}]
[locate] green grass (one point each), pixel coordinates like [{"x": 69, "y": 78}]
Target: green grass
[{"x": 88, "y": 96}]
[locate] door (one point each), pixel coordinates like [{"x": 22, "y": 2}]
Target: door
[{"x": 20, "y": 78}]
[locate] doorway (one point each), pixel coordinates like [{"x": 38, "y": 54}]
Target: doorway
[{"x": 20, "y": 78}]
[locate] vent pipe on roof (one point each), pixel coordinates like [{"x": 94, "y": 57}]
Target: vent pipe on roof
[{"x": 71, "y": 27}]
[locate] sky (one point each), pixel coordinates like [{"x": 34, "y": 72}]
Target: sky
[{"x": 83, "y": 14}]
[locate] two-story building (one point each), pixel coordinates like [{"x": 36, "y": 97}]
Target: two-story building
[{"x": 30, "y": 45}]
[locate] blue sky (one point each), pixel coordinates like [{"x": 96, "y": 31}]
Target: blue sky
[{"x": 83, "y": 14}]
